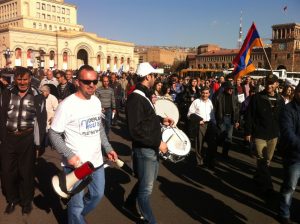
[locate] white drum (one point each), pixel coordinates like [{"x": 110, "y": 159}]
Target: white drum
[
  {"x": 178, "y": 144},
  {"x": 166, "y": 108},
  {"x": 177, "y": 141}
]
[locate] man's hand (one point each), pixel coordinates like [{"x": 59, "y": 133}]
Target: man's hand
[
  {"x": 248, "y": 138},
  {"x": 237, "y": 124},
  {"x": 163, "y": 147},
  {"x": 74, "y": 161},
  {"x": 168, "y": 121},
  {"x": 112, "y": 156}
]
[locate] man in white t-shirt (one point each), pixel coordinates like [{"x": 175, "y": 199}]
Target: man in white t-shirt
[{"x": 78, "y": 120}]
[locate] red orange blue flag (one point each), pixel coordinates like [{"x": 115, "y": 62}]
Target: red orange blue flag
[{"x": 242, "y": 63}]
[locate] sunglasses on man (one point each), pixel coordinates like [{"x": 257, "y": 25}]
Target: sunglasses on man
[{"x": 88, "y": 82}]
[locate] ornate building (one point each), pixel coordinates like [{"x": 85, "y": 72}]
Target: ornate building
[
  {"x": 286, "y": 47},
  {"x": 45, "y": 33},
  {"x": 284, "y": 52}
]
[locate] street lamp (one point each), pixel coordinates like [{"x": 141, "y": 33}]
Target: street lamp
[{"x": 7, "y": 53}]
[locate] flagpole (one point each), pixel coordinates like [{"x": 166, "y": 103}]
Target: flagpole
[{"x": 267, "y": 58}]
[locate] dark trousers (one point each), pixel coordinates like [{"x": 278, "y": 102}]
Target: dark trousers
[
  {"x": 206, "y": 133},
  {"x": 17, "y": 161}
]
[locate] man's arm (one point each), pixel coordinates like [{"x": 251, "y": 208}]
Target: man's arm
[{"x": 59, "y": 144}]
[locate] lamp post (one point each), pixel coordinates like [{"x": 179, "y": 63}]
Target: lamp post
[{"x": 7, "y": 53}]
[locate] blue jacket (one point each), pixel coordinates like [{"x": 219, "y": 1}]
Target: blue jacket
[{"x": 290, "y": 131}]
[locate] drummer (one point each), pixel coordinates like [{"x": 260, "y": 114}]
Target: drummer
[
  {"x": 202, "y": 124},
  {"x": 145, "y": 130}
]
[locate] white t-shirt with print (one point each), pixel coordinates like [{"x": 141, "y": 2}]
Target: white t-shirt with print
[{"x": 80, "y": 121}]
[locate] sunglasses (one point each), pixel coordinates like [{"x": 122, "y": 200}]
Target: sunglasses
[{"x": 88, "y": 82}]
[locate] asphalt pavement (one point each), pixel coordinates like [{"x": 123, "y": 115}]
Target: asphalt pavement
[{"x": 182, "y": 194}]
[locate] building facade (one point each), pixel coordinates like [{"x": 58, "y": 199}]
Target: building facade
[
  {"x": 283, "y": 53},
  {"x": 286, "y": 47},
  {"x": 162, "y": 55},
  {"x": 45, "y": 33}
]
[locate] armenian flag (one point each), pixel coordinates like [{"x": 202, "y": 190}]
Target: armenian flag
[{"x": 242, "y": 63}]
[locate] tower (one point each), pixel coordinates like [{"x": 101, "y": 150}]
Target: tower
[{"x": 239, "y": 45}]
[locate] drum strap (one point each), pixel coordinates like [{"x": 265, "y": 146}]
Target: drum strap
[{"x": 143, "y": 95}]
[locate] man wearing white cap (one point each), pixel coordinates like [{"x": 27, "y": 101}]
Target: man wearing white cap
[{"x": 145, "y": 131}]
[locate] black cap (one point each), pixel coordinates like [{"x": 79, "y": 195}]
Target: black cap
[
  {"x": 271, "y": 78},
  {"x": 227, "y": 85}
]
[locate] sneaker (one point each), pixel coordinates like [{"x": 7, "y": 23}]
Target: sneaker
[
  {"x": 131, "y": 209},
  {"x": 283, "y": 220}
]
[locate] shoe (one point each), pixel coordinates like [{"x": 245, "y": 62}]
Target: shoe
[
  {"x": 132, "y": 210},
  {"x": 26, "y": 209},
  {"x": 283, "y": 220},
  {"x": 10, "y": 207}
]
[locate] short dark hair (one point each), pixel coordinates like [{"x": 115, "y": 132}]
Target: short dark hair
[
  {"x": 84, "y": 67},
  {"x": 204, "y": 88},
  {"x": 61, "y": 73},
  {"x": 20, "y": 71}
]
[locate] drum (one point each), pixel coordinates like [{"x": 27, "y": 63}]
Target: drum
[
  {"x": 178, "y": 144},
  {"x": 177, "y": 141},
  {"x": 166, "y": 108}
]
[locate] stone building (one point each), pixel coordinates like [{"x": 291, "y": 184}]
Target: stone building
[
  {"x": 284, "y": 52},
  {"x": 162, "y": 55},
  {"x": 45, "y": 33},
  {"x": 286, "y": 47}
]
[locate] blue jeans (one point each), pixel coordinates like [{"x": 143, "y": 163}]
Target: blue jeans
[
  {"x": 107, "y": 121},
  {"x": 291, "y": 176},
  {"x": 146, "y": 167},
  {"x": 227, "y": 127},
  {"x": 80, "y": 204}
]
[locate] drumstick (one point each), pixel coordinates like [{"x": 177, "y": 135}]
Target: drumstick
[
  {"x": 174, "y": 130},
  {"x": 169, "y": 138}
]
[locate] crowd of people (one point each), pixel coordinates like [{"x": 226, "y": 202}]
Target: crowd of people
[{"x": 68, "y": 110}]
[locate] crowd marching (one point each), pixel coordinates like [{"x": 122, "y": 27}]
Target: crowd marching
[{"x": 39, "y": 109}]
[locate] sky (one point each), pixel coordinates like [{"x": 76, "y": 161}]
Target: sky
[{"x": 186, "y": 23}]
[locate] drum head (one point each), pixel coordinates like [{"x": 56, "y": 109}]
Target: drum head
[
  {"x": 177, "y": 141},
  {"x": 166, "y": 108}
]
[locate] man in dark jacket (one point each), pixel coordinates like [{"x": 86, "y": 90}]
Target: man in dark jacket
[
  {"x": 23, "y": 118},
  {"x": 227, "y": 115},
  {"x": 290, "y": 133},
  {"x": 145, "y": 130},
  {"x": 262, "y": 124},
  {"x": 64, "y": 87}
]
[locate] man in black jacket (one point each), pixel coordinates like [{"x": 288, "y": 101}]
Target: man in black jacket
[
  {"x": 23, "y": 118},
  {"x": 262, "y": 124},
  {"x": 64, "y": 87},
  {"x": 290, "y": 133},
  {"x": 145, "y": 130},
  {"x": 227, "y": 115}
]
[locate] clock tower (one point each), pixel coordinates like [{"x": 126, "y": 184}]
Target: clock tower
[{"x": 286, "y": 47}]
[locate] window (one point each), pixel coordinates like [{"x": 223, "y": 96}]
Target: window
[
  {"x": 53, "y": 8},
  {"x": 34, "y": 25},
  {"x": 48, "y": 7},
  {"x": 43, "y": 6},
  {"x": 43, "y": 16},
  {"x": 38, "y": 15},
  {"x": 58, "y": 19},
  {"x": 48, "y": 17},
  {"x": 275, "y": 56},
  {"x": 54, "y": 18},
  {"x": 38, "y": 5},
  {"x": 63, "y": 19},
  {"x": 58, "y": 9},
  {"x": 40, "y": 26},
  {"x": 50, "y": 27},
  {"x": 68, "y": 20},
  {"x": 45, "y": 26},
  {"x": 63, "y": 10},
  {"x": 288, "y": 56},
  {"x": 68, "y": 11}
]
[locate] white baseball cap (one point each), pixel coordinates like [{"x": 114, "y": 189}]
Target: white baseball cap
[{"x": 145, "y": 69}]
